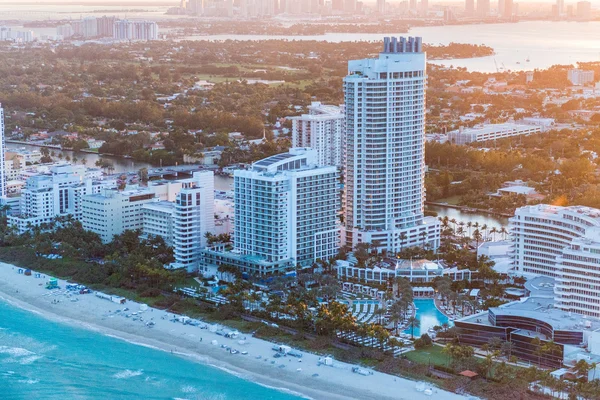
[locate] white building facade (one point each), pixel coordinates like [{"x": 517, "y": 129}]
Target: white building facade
[
  {"x": 184, "y": 222},
  {"x": 54, "y": 194},
  {"x": 491, "y": 132},
  {"x": 384, "y": 165},
  {"x": 193, "y": 217},
  {"x": 112, "y": 212},
  {"x": 322, "y": 130},
  {"x": 157, "y": 220},
  {"x": 541, "y": 233},
  {"x": 580, "y": 77},
  {"x": 286, "y": 214},
  {"x": 135, "y": 30},
  {"x": 577, "y": 287}
]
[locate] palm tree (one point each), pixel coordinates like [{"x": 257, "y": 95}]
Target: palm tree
[
  {"x": 469, "y": 225},
  {"x": 484, "y": 229},
  {"x": 507, "y": 349},
  {"x": 453, "y": 222},
  {"x": 413, "y": 323},
  {"x": 477, "y": 237},
  {"x": 403, "y": 238},
  {"x": 493, "y": 231},
  {"x": 379, "y": 313},
  {"x": 423, "y": 237},
  {"x": 582, "y": 368},
  {"x": 503, "y": 232}
]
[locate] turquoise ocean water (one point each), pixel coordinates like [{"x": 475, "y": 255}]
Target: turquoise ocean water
[{"x": 41, "y": 359}]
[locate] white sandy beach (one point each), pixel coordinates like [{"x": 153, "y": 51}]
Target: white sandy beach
[{"x": 91, "y": 312}]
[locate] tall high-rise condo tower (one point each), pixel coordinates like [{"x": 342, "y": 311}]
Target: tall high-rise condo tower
[
  {"x": 470, "y": 7},
  {"x": 385, "y": 149},
  {"x": 2, "y": 150},
  {"x": 483, "y": 8}
]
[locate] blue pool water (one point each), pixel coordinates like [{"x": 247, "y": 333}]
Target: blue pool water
[
  {"x": 215, "y": 289},
  {"x": 41, "y": 359},
  {"x": 429, "y": 316}
]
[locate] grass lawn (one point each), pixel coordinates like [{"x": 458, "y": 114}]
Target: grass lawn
[
  {"x": 191, "y": 283},
  {"x": 432, "y": 354}
]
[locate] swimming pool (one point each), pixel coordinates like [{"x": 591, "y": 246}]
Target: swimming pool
[
  {"x": 215, "y": 289},
  {"x": 429, "y": 316}
]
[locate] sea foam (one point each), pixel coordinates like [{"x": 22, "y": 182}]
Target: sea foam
[
  {"x": 15, "y": 351},
  {"x": 188, "y": 389},
  {"x": 29, "y": 381},
  {"x": 127, "y": 374}
]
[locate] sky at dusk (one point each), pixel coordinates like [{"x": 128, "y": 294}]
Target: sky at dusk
[{"x": 176, "y": 2}]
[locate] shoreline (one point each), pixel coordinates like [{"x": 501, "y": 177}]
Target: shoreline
[{"x": 258, "y": 366}]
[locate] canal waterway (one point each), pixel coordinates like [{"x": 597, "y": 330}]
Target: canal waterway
[
  {"x": 121, "y": 165},
  {"x": 225, "y": 183}
]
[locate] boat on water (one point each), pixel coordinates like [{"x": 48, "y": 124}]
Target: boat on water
[{"x": 527, "y": 59}]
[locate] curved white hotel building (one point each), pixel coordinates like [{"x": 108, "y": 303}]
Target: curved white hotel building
[
  {"x": 577, "y": 287},
  {"x": 563, "y": 243},
  {"x": 384, "y": 149},
  {"x": 540, "y": 234}
]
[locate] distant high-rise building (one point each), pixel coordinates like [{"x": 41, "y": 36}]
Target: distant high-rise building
[
  {"x": 584, "y": 10},
  {"x": 508, "y": 11},
  {"x": 89, "y": 27},
  {"x": 350, "y": 6},
  {"x": 483, "y": 8},
  {"x": 322, "y": 130},
  {"x": 381, "y": 6},
  {"x": 65, "y": 31},
  {"x": 195, "y": 7},
  {"x": 560, "y": 7},
  {"x": 2, "y": 155},
  {"x": 580, "y": 77},
  {"x": 501, "y": 7},
  {"x": 413, "y": 5},
  {"x": 336, "y": 5},
  {"x": 135, "y": 30},
  {"x": 470, "y": 7},
  {"x": 384, "y": 160},
  {"x": 106, "y": 26},
  {"x": 570, "y": 12},
  {"x": 448, "y": 14},
  {"x": 424, "y": 7}
]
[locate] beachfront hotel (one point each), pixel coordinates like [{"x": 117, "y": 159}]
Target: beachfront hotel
[
  {"x": 562, "y": 243},
  {"x": 57, "y": 193},
  {"x": 578, "y": 275},
  {"x": 322, "y": 130},
  {"x": 286, "y": 214},
  {"x": 388, "y": 269},
  {"x": 541, "y": 232},
  {"x": 184, "y": 222},
  {"x": 384, "y": 149},
  {"x": 111, "y": 212}
]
